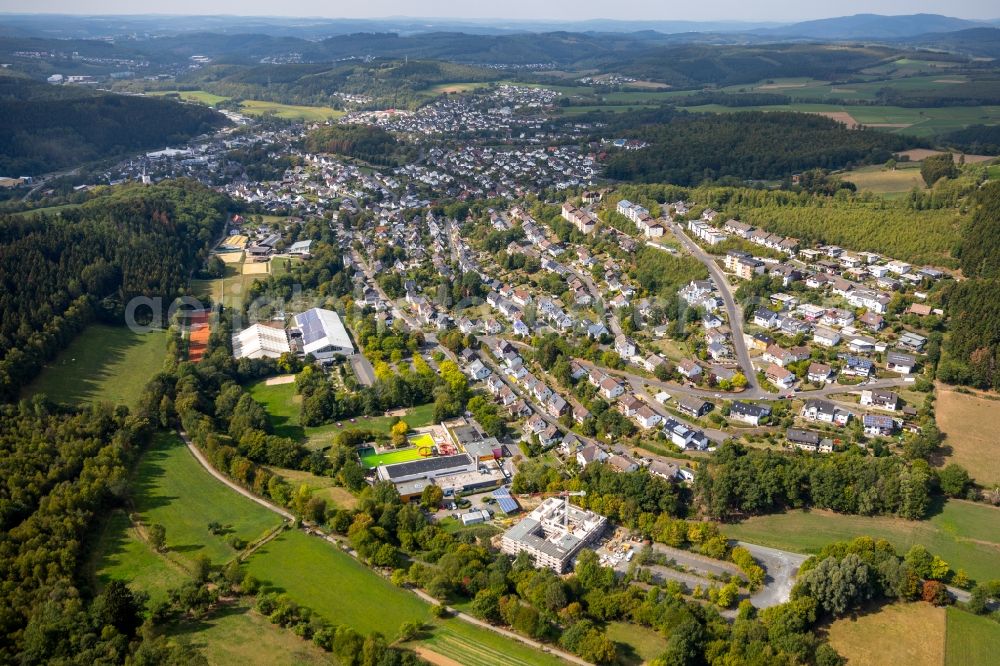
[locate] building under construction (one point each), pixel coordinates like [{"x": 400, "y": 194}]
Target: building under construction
[{"x": 554, "y": 533}]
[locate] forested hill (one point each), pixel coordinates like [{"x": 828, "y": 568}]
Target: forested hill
[
  {"x": 57, "y": 274},
  {"x": 47, "y": 128},
  {"x": 972, "y": 350},
  {"x": 687, "y": 148}
]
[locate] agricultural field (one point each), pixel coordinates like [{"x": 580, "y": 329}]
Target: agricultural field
[
  {"x": 455, "y": 88},
  {"x": 970, "y": 423},
  {"x": 464, "y": 644},
  {"x": 103, "y": 364},
  {"x": 920, "y": 122},
  {"x": 636, "y": 644},
  {"x": 282, "y": 405},
  {"x": 171, "y": 488},
  {"x": 965, "y": 534},
  {"x": 879, "y": 180},
  {"x": 236, "y": 635},
  {"x": 970, "y": 640},
  {"x": 912, "y": 634},
  {"x": 253, "y": 107}
]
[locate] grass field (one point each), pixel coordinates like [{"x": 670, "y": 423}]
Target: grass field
[
  {"x": 253, "y": 107},
  {"x": 119, "y": 553},
  {"x": 172, "y": 489},
  {"x": 879, "y": 180},
  {"x": 316, "y": 574},
  {"x": 922, "y": 122},
  {"x": 965, "y": 534},
  {"x": 344, "y": 591},
  {"x": 103, "y": 364},
  {"x": 970, "y": 424},
  {"x": 911, "y": 634},
  {"x": 971, "y": 640},
  {"x": 199, "y": 96},
  {"x": 452, "y": 88},
  {"x": 282, "y": 406},
  {"x": 472, "y": 646},
  {"x": 323, "y": 486},
  {"x": 235, "y": 635},
  {"x": 635, "y": 644}
]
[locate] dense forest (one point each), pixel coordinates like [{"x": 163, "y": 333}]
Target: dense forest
[
  {"x": 58, "y": 273},
  {"x": 742, "y": 482},
  {"x": 366, "y": 142},
  {"x": 687, "y": 149},
  {"x": 975, "y": 139},
  {"x": 972, "y": 350},
  {"x": 42, "y": 133}
]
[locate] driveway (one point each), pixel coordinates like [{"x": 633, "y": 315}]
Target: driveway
[{"x": 781, "y": 566}]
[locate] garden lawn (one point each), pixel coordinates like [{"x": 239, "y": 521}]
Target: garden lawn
[
  {"x": 283, "y": 406},
  {"x": 965, "y": 534},
  {"x": 971, "y": 640},
  {"x": 172, "y": 489},
  {"x": 235, "y": 635},
  {"x": 103, "y": 364}
]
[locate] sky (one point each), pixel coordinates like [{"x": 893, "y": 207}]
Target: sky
[{"x": 714, "y": 10}]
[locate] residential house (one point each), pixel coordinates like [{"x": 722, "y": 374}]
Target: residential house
[
  {"x": 826, "y": 337},
  {"x": 898, "y": 362},
  {"x": 625, "y": 346},
  {"x": 877, "y": 425},
  {"x": 824, "y": 411},
  {"x": 623, "y": 464},
  {"x": 779, "y": 376},
  {"x": 748, "y": 412},
  {"x": 694, "y": 407},
  {"x": 646, "y": 417},
  {"x": 880, "y": 399},
  {"x": 689, "y": 369},
  {"x": 684, "y": 436},
  {"x": 610, "y": 388},
  {"x": 819, "y": 372},
  {"x": 590, "y": 453}
]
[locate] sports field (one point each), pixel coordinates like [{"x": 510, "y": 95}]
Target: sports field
[
  {"x": 965, "y": 534},
  {"x": 370, "y": 459},
  {"x": 970, "y": 423},
  {"x": 103, "y": 364},
  {"x": 283, "y": 407}
]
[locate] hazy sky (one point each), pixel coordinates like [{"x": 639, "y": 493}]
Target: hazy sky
[{"x": 744, "y": 10}]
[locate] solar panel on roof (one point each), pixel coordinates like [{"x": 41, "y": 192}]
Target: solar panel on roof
[
  {"x": 505, "y": 501},
  {"x": 311, "y": 326}
]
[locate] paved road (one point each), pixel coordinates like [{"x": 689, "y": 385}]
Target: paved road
[
  {"x": 734, "y": 311},
  {"x": 781, "y": 567},
  {"x": 312, "y": 529},
  {"x": 218, "y": 475}
]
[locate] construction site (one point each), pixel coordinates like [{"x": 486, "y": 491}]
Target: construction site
[{"x": 554, "y": 533}]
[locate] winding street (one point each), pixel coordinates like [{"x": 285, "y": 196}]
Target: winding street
[{"x": 735, "y": 312}]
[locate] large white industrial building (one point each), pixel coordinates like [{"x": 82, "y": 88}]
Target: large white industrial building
[
  {"x": 260, "y": 341},
  {"x": 323, "y": 334}
]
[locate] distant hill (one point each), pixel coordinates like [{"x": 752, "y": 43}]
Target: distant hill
[
  {"x": 981, "y": 42},
  {"x": 47, "y": 128},
  {"x": 872, "y": 26}
]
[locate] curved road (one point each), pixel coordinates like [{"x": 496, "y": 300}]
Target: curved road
[{"x": 420, "y": 593}]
